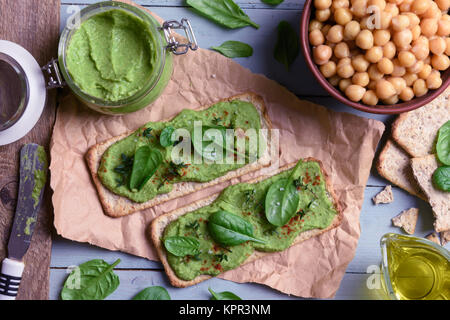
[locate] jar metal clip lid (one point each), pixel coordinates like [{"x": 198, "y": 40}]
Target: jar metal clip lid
[{"x": 172, "y": 44}]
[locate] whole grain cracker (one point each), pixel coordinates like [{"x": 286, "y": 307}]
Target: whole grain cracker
[
  {"x": 407, "y": 220},
  {"x": 434, "y": 237},
  {"x": 385, "y": 196}
]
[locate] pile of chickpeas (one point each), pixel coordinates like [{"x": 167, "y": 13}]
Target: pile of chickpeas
[{"x": 381, "y": 51}]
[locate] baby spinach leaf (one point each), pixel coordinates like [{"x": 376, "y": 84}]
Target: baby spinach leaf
[
  {"x": 282, "y": 200},
  {"x": 225, "y": 295},
  {"x": 165, "y": 139},
  {"x": 234, "y": 49},
  {"x": 441, "y": 178},
  {"x": 443, "y": 144},
  {"x": 92, "y": 280},
  {"x": 272, "y": 2},
  {"x": 224, "y": 12},
  {"x": 182, "y": 246},
  {"x": 229, "y": 229},
  {"x": 287, "y": 46},
  {"x": 146, "y": 162},
  {"x": 153, "y": 293}
]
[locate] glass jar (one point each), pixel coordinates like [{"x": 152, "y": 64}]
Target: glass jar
[{"x": 159, "y": 76}]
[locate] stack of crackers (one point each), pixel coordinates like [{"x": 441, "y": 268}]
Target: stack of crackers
[{"x": 408, "y": 159}]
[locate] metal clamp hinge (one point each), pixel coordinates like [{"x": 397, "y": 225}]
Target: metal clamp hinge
[
  {"x": 172, "y": 44},
  {"x": 51, "y": 70}
]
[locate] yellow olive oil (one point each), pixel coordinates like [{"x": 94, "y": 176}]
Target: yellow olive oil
[{"x": 415, "y": 268}]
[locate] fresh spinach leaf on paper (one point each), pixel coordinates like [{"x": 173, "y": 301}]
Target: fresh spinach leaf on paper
[
  {"x": 182, "y": 246},
  {"x": 287, "y": 46},
  {"x": 443, "y": 144},
  {"x": 272, "y": 2},
  {"x": 229, "y": 229},
  {"x": 225, "y": 295},
  {"x": 92, "y": 280},
  {"x": 146, "y": 162},
  {"x": 282, "y": 200},
  {"x": 153, "y": 293},
  {"x": 224, "y": 12},
  {"x": 234, "y": 49},
  {"x": 441, "y": 178}
]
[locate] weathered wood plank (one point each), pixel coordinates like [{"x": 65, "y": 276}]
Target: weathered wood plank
[{"x": 33, "y": 24}]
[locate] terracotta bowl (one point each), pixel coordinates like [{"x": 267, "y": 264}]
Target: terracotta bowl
[{"x": 336, "y": 93}]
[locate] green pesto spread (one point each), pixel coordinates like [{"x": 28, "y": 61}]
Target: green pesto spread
[
  {"x": 235, "y": 114},
  {"x": 315, "y": 210},
  {"x": 112, "y": 55},
  {"x": 40, "y": 176}
]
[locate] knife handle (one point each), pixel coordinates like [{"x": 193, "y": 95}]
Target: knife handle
[{"x": 10, "y": 278}]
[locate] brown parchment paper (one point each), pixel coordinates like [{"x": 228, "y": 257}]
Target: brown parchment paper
[{"x": 345, "y": 143}]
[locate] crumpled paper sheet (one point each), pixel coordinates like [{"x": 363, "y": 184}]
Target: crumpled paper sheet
[{"x": 345, "y": 144}]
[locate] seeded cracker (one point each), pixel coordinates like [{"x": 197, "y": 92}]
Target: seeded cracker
[
  {"x": 385, "y": 196},
  {"x": 407, "y": 220}
]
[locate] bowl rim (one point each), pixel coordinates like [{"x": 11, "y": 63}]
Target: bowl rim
[{"x": 383, "y": 109}]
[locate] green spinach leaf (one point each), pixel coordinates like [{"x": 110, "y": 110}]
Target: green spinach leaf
[
  {"x": 224, "y": 12},
  {"x": 146, "y": 162},
  {"x": 165, "y": 139},
  {"x": 272, "y": 2},
  {"x": 441, "y": 178},
  {"x": 182, "y": 246},
  {"x": 443, "y": 144},
  {"x": 282, "y": 200},
  {"x": 226, "y": 295},
  {"x": 229, "y": 229},
  {"x": 92, "y": 280},
  {"x": 287, "y": 46},
  {"x": 153, "y": 293},
  {"x": 234, "y": 49}
]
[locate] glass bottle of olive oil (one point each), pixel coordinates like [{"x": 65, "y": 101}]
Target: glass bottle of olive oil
[{"x": 414, "y": 268}]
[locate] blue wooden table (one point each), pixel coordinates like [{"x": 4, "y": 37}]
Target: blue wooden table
[{"x": 137, "y": 273}]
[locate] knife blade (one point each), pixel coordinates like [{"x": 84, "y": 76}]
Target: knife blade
[{"x": 33, "y": 178}]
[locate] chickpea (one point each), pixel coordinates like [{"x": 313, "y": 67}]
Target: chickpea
[
  {"x": 434, "y": 80},
  {"x": 444, "y": 5},
  {"x": 447, "y": 50},
  {"x": 420, "y": 48},
  {"x": 335, "y": 34},
  {"x": 323, "y": 15},
  {"x": 316, "y": 37},
  {"x": 325, "y": 29},
  {"x": 414, "y": 20},
  {"x": 443, "y": 27},
  {"x": 420, "y": 6},
  {"x": 334, "y": 80},
  {"x": 315, "y": 25},
  {"x": 384, "y": 89},
  {"x": 403, "y": 38},
  {"x": 440, "y": 62},
  {"x": 359, "y": 8},
  {"x": 360, "y": 64},
  {"x": 420, "y": 87},
  {"x": 374, "y": 73},
  {"x": 328, "y": 69},
  {"x": 336, "y": 4},
  {"x": 364, "y": 39},
  {"x": 351, "y": 30},
  {"x": 416, "y": 32},
  {"x": 391, "y": 100},
  {"x": 341, "y": 50},
  {"x": 370, "y": 98},
  {"x": 392, "y": 9},
  {"x": 406, "y": 58},
  {"x": 322, "y": 4},
  {"x": 437, "y": 45},
  {"x": 405, "y": 6},
  {"x": 410, "y": 78},
  {"x": 361, "y": 78},
  {"x": 344, "y": 83},
  {"x": 381, "y": 37},
  {"x": 389, "y": 50},
  {"x": 429, "y": 27},
  {"x": 374, "y": 54},
  {"x": 381, "y": 4},
  {"x": 385, "y": 66},
  {"x": 400, "y": 22},
  {"x": 385, "y": 19},
  {"x": 407, "y": 94},
  {"x": 398, "y": 82},
  {"x": 399, "y": 70},
  {"x": 433, "y": 12},
  {"x": 343, "y": 16},
  {"x": 355, "y": 92},
  {"x": 345, "y": 69},
  {"x": 425, "y": 72},
  {"x": 322, "y": 54}
]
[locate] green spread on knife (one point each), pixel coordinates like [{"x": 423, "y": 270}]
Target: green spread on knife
[
  {"x": 28, "y": 223},
  {"x": 112, "y": 55},
  {"x": 234, "y": 114},
  {"x": 40, "y": 176},
  {"x": 315, "y": 210}
]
